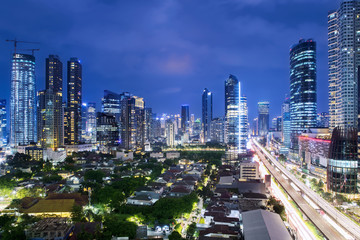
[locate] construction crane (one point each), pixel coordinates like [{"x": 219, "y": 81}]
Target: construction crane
[
  {"x": 31, "y": 49},
  {"x": 17, "y": 41}
]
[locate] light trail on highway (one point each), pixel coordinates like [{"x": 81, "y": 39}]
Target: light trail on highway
[{"x": 302, "y": 230}]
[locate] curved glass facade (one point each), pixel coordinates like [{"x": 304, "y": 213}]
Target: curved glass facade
[
  {"x": 303, "y": 108},
  {"x": 343, "y": 164},
  {"x": 22, "y": 100}
]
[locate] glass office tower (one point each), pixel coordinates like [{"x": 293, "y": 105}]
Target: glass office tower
[
  {"x": 303, "y": 108},
  {"x": 74, "y": 101},
  {"x": 232, "y": 117},
  {"x": 185, "y": 117},
  {"x": 3, "y": 123},
  {"x": 207, "y": 114},
  {"x": 22, "y": 100},
  {"x": 49, "y": 106},
  {"x": 342, "y": 167},
  {"x": 263, "y": 118}
]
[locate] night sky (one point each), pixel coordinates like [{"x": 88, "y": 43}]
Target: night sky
[{"x": 168, "y": 51}]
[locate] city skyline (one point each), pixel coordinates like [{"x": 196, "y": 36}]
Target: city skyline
[{"x": 174, "y": 52}]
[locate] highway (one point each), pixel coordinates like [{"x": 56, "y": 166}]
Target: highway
[{"x": 324, "y": 226}]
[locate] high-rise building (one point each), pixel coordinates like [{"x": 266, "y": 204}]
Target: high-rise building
[
  {"x": 50, "y": 124},
  {"x": 170, "y": 133},
  {"x": 22, "y": 100},
  {"x": 74, "y": 101},
  {"x": 323, "y": 120},
  {"x": 278, "y": 126},
  {"x": 107, "y": 130},
  {"x": 147, "y": 122},
  {"x": 132, "y": 121},
  {"x": 255, "y": 127},
  {"x": 303, "y": 108},
  {"x": 243, "y": 122},
  {"x": 88, "y": 128},
  {"x": 110, "y": 103},
  {"x": 232, "y": 117},
  {"x": 217, "y": 130},
  {"x": 207, "y": 113},
  {"x": 3, "y": 123},
  {"x": 155, "y": 127},
  {"x": 286, "y": 124},
  {"x": 344, "y": 62},
  {"x": 342, "y": 167},
  {"x": 274, "y": 123},
  {"x": 263, "y": 118},
  {"x": 185, "y": 117}
]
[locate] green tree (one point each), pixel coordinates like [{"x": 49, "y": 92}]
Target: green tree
[
  {"x": 12, "y": 233},
  {"x": 321, "y": 184},
  {"x": 77, "y": 214},
  {"x": 115, "y": 225},
  {"x": 94, "y": 175},
  {"x": 175, "y": 235},
  {"x": 191, "y": 231}
]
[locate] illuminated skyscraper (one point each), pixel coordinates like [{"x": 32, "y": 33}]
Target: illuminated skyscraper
[
  {"x": 88, "y": 116},
  {"x": 185, "y": 118},
  {"x": 344, "y": 62},
  {"x": 49, "y": 106},
  {"x": 3, "y": 123},
  {"x": 217, "y": 130},
  {"x": 74, "y": 100},
  {"x": 255, "y": 127},
  {"x": 244, "y": 132},
  {"x": 232, "y": 117},
  {"x": 286, "y": 124},
  {"x": 107, "y": 130},
  {"x": 207, "y": 113},
  {"x": 170, "y": 133},
  {"x": 263, "y": 118},
  {"x": 22, "y": 100},
  {"x": 110, "y": 103},
  {"x": 147, "y": 121},
  {"x": 303, "y": 108},
  {"x": 132, "y": 121}
]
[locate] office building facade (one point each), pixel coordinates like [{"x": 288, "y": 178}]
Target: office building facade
[
  {"x": 50, "y": 124},
  {"x": 303, "y": 105},
  {"x": 22, "y": 100},
  {"x": 263, "y": 118},
  {"x": 286, "y": 123},
  {"x": 185, "y": 118},
  {"x": 74, "y": 102},
  {"x": 344, "y": 62},
  {"x": 3, "y": 123},
  {"x": 343, "y": 161},
  {"x": 207, "y": 113},
  {"x": 232, "y": 117},
  {"x": 243, "y": 128}
]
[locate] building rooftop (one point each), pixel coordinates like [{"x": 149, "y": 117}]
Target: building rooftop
[
  {"x": 263, "y": 225},
  {"x": 51, "y": 206}
]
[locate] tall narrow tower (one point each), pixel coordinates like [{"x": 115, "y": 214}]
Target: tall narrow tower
[
  {"x": 49, "y": 112},
  {"x": 344, "y": 62},
  {"x": 207, "y": 113},
  {"x": 74, "y": 101},
  {"x": 22, "y": 100}
]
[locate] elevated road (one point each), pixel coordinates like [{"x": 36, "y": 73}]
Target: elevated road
[{"x": 324, "y": 227}]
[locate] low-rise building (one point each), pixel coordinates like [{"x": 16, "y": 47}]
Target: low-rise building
[
  {"x": 248, "y": 171},
  {"x": 50, "y": 228},
  {"x": 264, "y": 225},
  {"x": 172, "y": 155}
]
